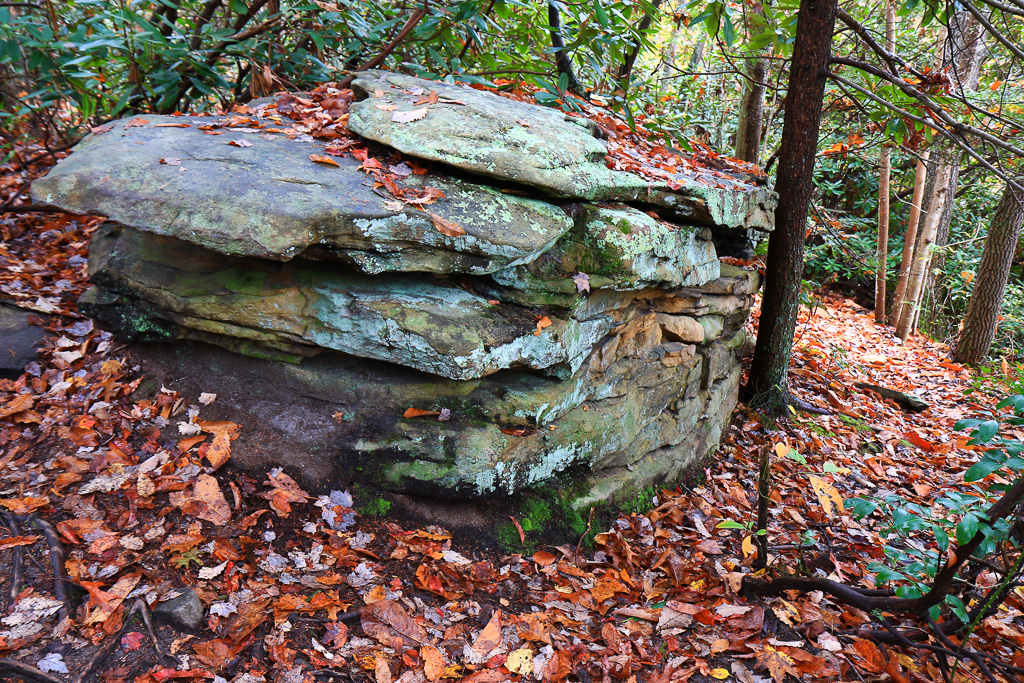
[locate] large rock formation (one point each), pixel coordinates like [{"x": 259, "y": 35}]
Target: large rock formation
[{"x": 539, "y": 312}]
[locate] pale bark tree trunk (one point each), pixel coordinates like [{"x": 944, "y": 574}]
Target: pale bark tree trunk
[
  {"x": 910, "y": 239},
  {"x": 919, "y": 270},
  {"x": 769, "y": 371},
  {"x": 990, "y": 284},
  {"x": 748, "y": 128},
  {"x": 964, "y": 50},
  {"x": 882, "y": 252}
]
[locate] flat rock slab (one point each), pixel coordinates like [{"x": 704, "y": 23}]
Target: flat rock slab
[
  {"x": 488, "y": 135},
  {"x": 19, "y": 340},
  {"x": 268, "y": 199},
  {"x": 164, "y": 284},
  {"x": 485, "y": 134}
]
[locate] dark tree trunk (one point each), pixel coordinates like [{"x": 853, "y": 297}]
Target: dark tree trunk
[
  {"x": 784, "y": 266},
  {"x": 562, "y": 61},
  {"x": 626, "y": 70},
  {"x": 990, "y": 284}
]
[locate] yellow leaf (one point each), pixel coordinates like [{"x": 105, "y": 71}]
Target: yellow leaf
[
  {"x": 720, "y": 674},
  {"x": 827, "y": 494},
  {"x": 781, "y": 450},
  {"x": 520, "y": 662},
  {"x": 748, "y": 546}
]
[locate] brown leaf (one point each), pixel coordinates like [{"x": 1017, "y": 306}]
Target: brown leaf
[
  {"x": 321, "y": 159},
  {"x": 24, "y": 506},
  {"x": 137, "y": 122},
  {"x": 445, "y": 226},
  {"x": 871, "y": 658},
  {"x": 205, "y": 501},
  {"x": 384, "y": 618},
  {"x": 250, "y": 615},
  {"x": 15, "y": 541},
  {"x": 173, "y": 125},
  {"x": 519, "y": 528},
  {"x": 777, "y": 663},
  {"x": 544, "y": 558},
  {"x": 240, "y": 142},
  {"x": 19, "y": 403}
]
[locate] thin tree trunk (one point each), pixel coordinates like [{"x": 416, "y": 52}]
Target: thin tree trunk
[
  {"x": 626, "y": 69},
  {"x": 668, "y": 55},
  {"x": 910, "y": 239},
  {"x": 882, "y": 252},
  {"x": 562, "y": 61},
  {"x": 918, "y": 272},
  {"x": 779, "y": 307},
  {"x": 990, "y": 283},
  {"x": 748, "y": 128}
]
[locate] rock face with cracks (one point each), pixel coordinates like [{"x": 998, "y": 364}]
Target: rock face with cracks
[{"x": 541, "y": 314}]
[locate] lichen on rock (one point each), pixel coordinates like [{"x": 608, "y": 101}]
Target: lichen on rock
[{"x": 543, "y": 314}]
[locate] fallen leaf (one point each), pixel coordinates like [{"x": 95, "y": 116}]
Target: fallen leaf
[
  {"x": 321, "y": 159},
  {"x": 240, "y": 142},
  {"x": 205, "y": 501},
  {"x": 137, "y": 122},
  {"x": 541, "y": 324},
  {"x": 445, "y": 226},
  {"x": 433, "y": 662},
  {"x": 219, "y": 451},
  {"x": 409, "y": 116},
  {"x": 416, "y": 412},
  {"x": 490, "y": 637},
  {"x": 827, "y": 494}
]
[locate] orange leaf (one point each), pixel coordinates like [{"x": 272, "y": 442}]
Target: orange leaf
[
  {"x": 541, "y": 324},
  {"x": 544, "y": 558},
  {"x": 416, "y": 412},
  {"x": 445, "y": 226},
  {"x": 321, "y": 159}
]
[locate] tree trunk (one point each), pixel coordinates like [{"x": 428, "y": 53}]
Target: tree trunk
[
  {"x": 626, "y": 69},
  {"x": 918, "y": 272},
  {"x": 910, "y": 239},
  {"x": 882, "y": 252},
  {"x": 563, "y": 64},
  {"x": 748, "y": 128},
  {"x": 963, "y": 50},
  {"x": 784, "y": 266},
  {"x": 990, "y": 283}
]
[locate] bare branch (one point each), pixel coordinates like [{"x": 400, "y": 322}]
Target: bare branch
[{"x": 983, "y": 20}]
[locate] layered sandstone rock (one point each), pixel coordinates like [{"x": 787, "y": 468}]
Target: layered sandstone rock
[{"x": 576, "y": 319}]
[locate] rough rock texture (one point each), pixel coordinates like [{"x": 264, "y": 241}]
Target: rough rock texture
[
  {"x": 304, "y": 308},
  {"x": 19, "y": 340},
  {"x": 582, "y": 326},
  {"x": 559, "y": 154},
  {"x": 269, "y": 200},
  {"x": 640, "y": 405}
]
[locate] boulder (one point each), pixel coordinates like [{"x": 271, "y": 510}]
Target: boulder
[
  {"x": 269, "y": 200},
  {"x": 480, "y": 306}
]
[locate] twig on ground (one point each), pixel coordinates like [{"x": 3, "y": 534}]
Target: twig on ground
[{"x": 27, "y": 671}]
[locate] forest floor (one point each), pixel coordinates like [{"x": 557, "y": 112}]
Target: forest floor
[{"x": 141, "y": 497}]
